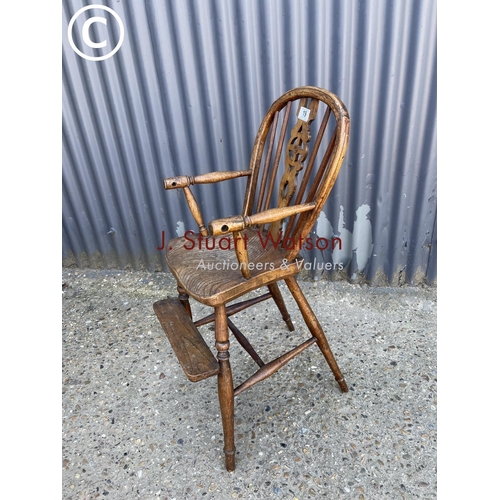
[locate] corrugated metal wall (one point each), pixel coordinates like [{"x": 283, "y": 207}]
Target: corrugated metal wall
[{"x": 185, "y": 94}]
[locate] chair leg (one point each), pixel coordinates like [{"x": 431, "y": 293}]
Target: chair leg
[
  {"x": 316, "y": 330},
  {"x": 225, "y": 385},
  {"x": 278, "y": 299},
  {"x": 184, "y": 298}
]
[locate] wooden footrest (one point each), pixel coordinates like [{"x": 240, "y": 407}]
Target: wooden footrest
[{"x": 191, "y": 350}]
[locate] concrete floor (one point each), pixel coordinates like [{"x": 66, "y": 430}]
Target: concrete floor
[{"x": 135, "y": 427}]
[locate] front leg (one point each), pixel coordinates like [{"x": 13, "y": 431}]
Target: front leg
[{"x": 225, "y": 385}]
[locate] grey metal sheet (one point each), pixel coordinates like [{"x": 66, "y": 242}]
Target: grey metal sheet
[{"x": 186, "y": 91}]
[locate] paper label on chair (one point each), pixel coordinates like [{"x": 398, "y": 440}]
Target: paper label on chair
[{"x": 304, "y": 114}]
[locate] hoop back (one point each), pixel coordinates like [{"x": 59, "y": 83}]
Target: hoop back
[{"x": 307, "y": 164}]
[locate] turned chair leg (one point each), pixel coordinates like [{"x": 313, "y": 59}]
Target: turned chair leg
[
  {"x": 184, "y": 298},
  {"x": 225, "y": 385},
  {"x": 278, "y": 299},
  {"x": 316, "y": 330}
]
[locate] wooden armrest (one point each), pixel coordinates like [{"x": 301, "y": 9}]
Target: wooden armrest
[
  {"x": 239, "y": 222},
  {"x": 186, "y": 180}
]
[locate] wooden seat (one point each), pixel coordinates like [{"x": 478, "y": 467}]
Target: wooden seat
[
  {"x": 293, "y": 167},
  {"x": 214, "y": 277}
]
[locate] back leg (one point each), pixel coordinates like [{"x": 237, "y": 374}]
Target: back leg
[
  {"x": 184, "y": 298},
  {"x": 316, "y": 330},
  {"x": 278, "y": 299}
]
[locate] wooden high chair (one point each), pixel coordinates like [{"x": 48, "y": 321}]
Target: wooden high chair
[{"x": 288, "y": 184}]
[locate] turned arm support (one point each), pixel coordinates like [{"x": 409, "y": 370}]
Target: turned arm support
[{"x": 237, "y": 223}]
